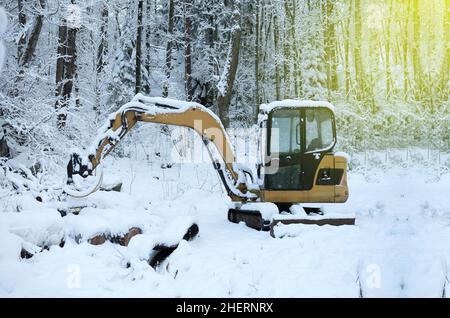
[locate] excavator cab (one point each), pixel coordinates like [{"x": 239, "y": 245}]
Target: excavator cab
[{"x": 297, "y": 162}]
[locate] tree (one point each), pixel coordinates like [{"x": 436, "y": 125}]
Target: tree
[
  {"x": 138, "y": 84},
  {"x": 330, "y": 45},
  {"x": 22, "y": 19},
  {"x": 102, "y": 49},
  {"x": 168, "y": 64},
  {"x": 148, "y": 41},
  {"x": 102, "y": 52},
  {"x": 360, "y": 74},
  {"x": 417, "y": 67},
  {"x": 257, "y": 52},
  {"x": 226, "y": 82},
  {"x": 314, "y": 74},
  {"x": 187, "y": 49},
  {"x": 387, "y": 52},
  {"x": 404, "y": 25},
  {"x": 33, "y": 37},
  {"x": 346, "y": 35},
  {"x": 276, "y": 39},
  {"x": 66, "y": 66},
  {"x": 445, "y": 86}
]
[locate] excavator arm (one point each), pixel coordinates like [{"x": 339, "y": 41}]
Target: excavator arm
[{"x": 170, "y": 112}]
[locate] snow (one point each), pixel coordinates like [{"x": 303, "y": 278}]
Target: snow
[
  {"x": 267, "y": 209},
  {"x": 3, "y": 20},
  {"x": 42, "y": 227},
  {"x": 398, "y": 247},
  {"x": 327, "y": 215},
  {"x": 95, "y": 221},
  {"x": 222, "y": 85},
  {"x": 343, "y": 154},
  {"x": 401, "y": 219},
  {"x": 267, "y": 108}
]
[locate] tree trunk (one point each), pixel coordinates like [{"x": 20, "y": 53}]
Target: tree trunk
[
  {"x": 388, "y": 53},
  {"x": 290, "y": 9},
  {"x": 138, "y": 80},
  {"x": 211, "y": 41},
  {"x": 276, "y": 38},
  {"x": 60, "y": 70},
  {"x": 416, "y": 51},
  {"x": 71, "y": 68},
  {"x": 187, "y": 49},
  {"x": 257, "y": 52},
  {"x": 330, "y": 46},
  {"x": 33, "y": 38},
  {"x": 286, "y": 62},
  {"x": 348, "y": 74},
  {"x": 22, "y": 19},
  {"x": 446, "y": 60},
  {"x": 66, "y": 68},
  {"x": 102, "y": 51},
  {"x": 298, "y": 58},
  {"x": 405, "y": 50},
  {"x": 359, "y": 70},
  {"x": 168, "y": 65},
  {"x": 148, "y": 14},
  {"x": 103, "y": 47},
  {"x": 229, "y": 72}
]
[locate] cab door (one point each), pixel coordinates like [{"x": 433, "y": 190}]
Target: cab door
[
  {"x": 284, "y": 149},
  {"x": 319, "y": 135}
]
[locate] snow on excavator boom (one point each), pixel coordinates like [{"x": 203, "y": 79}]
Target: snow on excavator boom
[{"x": 170, "y": 112}]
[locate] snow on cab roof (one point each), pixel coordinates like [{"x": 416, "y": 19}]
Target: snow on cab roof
[{"x": 267, "y": 108}]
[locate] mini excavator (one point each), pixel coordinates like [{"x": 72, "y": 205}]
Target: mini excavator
[{"x": 296, "y": 159}]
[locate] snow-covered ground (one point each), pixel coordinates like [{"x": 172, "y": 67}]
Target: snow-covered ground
[{"x": 397, "y": 249}]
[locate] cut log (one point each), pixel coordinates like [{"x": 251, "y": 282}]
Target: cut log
[
  {"x": 97, "y": 240},
  {"x": 25, "y": 254},
  {"x": 125, "y": 239},
  {"x": 122, "y": 240}
]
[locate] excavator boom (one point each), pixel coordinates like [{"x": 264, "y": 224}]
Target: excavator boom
[{"x": 170, "y": 112}]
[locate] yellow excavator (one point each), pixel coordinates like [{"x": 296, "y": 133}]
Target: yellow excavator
[{"x": 296, "y": 161}]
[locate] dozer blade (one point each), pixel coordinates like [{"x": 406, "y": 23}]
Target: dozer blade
[
  {"x": 251, "y": 218},
  {"x": 256, "y": 215},
  {"x": 309, "y": 220}
]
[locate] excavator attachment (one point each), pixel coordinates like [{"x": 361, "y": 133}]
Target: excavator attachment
[{"x": 81, "y": 180}]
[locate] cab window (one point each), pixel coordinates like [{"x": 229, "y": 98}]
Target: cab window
[
  {"x": 285, "y": 132},
  {"x": 319, "y": 129}
]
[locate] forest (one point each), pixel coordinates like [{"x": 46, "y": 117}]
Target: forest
[
  {"x": 368, "y": 216},
  {"x": 385, "y": 64}
]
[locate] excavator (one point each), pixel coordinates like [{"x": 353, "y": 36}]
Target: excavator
[{"x": 296, "y": 159}]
